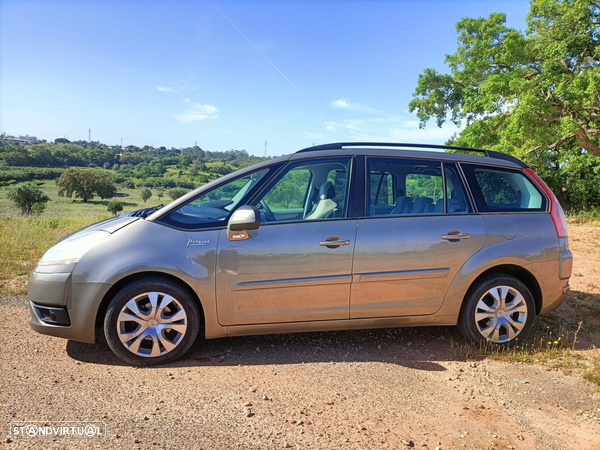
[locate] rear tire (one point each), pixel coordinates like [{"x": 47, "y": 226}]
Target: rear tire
[
  {"x": 498, "y": 309},
  {"x": 151, "y": 321}
]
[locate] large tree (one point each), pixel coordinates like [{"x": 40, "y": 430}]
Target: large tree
[
  {"x": 528, "y": 93},
  {"x": 84, "y": 183}
]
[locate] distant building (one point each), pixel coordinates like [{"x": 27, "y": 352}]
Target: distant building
[
  {"x": 14, "y": 140},
  {"x": 62, "y": 141}
]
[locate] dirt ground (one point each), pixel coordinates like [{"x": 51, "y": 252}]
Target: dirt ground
[{"x": 385, "y": 389}]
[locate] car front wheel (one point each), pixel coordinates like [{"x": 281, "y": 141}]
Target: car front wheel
[
  {"x": 151, "y": 321},
  {"x": 499, "y": 309}
]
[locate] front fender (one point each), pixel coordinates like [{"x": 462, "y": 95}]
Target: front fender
[{"x": 149, "y": 247}]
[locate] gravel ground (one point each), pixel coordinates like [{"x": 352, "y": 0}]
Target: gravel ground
[{"x": 367, "y": 389}]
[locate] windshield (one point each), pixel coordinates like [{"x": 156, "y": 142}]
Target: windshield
[{"x": 214, "y": 207}]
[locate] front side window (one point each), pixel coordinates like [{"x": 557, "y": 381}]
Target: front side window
[
  {"x": 307, "y": 191},
  {"x": 503, "y": 190},
  {"x": 214, "y": 207}
]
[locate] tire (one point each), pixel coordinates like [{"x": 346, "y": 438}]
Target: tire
[
  {"x": 145, "y": 335},
  {"x": 502, "y": 323}
]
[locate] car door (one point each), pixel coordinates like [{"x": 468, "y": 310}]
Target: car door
[
  {"x": 297, "y": 266},
  {"x": 406, "y": 259}
]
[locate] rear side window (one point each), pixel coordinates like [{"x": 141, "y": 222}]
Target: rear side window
[
  {"x": 407, "y": 187},
  {"x": 503, "y": 190}
]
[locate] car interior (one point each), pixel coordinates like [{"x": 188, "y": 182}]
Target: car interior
[{"x": 404, "y": 187}]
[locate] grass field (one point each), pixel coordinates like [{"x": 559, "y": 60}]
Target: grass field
[{"x": 24, "y": 239}]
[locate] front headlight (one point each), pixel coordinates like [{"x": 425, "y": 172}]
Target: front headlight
[{"x": 70, "y": 250}]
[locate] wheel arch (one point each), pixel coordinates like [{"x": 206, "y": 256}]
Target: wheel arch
[
  {"x": 116, "y": 287},
  {"x": 520, "y": 273}
]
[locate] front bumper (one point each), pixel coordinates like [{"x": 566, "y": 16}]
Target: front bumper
[{"x": 80, "y": 303}]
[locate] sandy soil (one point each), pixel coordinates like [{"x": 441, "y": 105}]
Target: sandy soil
[{"x": 384, "y": 389}]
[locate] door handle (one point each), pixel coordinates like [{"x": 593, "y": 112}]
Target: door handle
[
  {"x": 455, "y": 235},
  {"x": 334, "y": 241}
]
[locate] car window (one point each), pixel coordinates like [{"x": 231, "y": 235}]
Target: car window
[
  {"x": 382, "y": 189},
  {"x": 213, "y": 208},
  {"x": 307, "y": 191},
  {"x": 456, "y": 197},
  {"x": 414, "y": 187},
  {"x": 503, "y": 190}
]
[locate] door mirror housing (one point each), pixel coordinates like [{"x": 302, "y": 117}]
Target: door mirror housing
[{"x": 243, "y": 219}]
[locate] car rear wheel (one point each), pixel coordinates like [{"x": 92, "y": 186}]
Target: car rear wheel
[
  {"x": 499, "y": 309},
  {"x": 151, "y": 321}
]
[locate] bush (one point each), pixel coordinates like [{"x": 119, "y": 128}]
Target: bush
[
  {"x": 114, "y": 206},
  {"x": 146, "y": 194},
  {"x": 26, "y": 196},
  {"x": 176, "y": 193},
  {"x": 38, "y": 208}
]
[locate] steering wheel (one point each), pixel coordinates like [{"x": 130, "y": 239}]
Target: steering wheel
[{"x": 266, "y": 212}]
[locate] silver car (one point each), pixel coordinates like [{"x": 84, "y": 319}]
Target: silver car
[{"x": 333, "y": 237}]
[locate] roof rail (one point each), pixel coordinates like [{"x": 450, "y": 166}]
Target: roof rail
[{"x": 340, "y": 145}]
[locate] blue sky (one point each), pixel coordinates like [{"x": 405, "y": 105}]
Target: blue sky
[{"x": 171, "y": 73}]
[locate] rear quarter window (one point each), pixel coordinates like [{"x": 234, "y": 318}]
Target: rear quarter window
[{"x": 503, "y": 190}]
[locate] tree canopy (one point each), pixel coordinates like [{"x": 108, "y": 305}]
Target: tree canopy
[
  {"x": 529, "y": 90},
  {"x": 84, "y": 184},
  {"x": 532, "y": 93}
]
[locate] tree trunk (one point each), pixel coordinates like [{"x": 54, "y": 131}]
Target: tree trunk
[{"x": 586, "y": 143}]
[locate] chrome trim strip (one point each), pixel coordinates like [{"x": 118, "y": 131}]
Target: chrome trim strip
[
  {"x": 403, "y": 275},
  {"x": 293, "y": 282}
]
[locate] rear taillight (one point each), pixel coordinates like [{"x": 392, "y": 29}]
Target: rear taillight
[{"x": 558, "y": 216}]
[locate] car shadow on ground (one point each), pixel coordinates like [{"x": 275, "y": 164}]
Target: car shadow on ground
[{"x": 416, "y": 348}]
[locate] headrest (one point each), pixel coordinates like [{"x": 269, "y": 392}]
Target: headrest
[
  {"x": 420, "y": 203},
  {"x": 327, "y": 190}
]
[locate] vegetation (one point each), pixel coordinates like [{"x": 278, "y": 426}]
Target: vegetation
[
  {"x": 146, "y": 194},
  {"x": 533, "y": 94},
  {"x": 115, "y": 206},
  {"x": 84, "y": 184},
  {"x": 29, "y": 198},
  {"x": 176, "y": 193}
]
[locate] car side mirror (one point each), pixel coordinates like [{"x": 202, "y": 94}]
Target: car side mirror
[{"x": 243, "y": 219}]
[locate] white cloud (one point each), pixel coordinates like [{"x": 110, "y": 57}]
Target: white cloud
[
  {"x": 391, "y": 128},
  {"x": 165, "y": 89},
  {"x": 345, "y": 103},
  {"x": 187, "y": 100},
  {"x": 198, "y": 112}
]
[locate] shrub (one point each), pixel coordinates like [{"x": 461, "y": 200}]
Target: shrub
[
  {"x": 114, "y": 206},
  {"x": 176, "y": 193},
  {"x": 146, "y": 194},
  {"x": 38, "y": 208},
  {"x": 26, "y": 196}
]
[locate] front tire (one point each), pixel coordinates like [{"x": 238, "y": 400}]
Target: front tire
[
  {"x": 151, "y": 321},
  {"x": 499, "y": 309}
]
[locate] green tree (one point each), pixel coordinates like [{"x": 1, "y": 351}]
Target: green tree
[
  {"x": 114, "y": 206},
  {"x": 27, "y": 196},
  {"x": 160, "y": 192},
  {"x": 533, "y": 94},
  {"x": 146, "y": 194},
  {"x": 176, "y": 193},
  {"x": 84, "y": 184},
  {"x": 521, "y": 92}
]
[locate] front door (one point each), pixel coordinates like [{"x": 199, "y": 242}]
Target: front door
[
  {"x": 405, "y": 259},
  {"x": 298, "y": 265}
]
